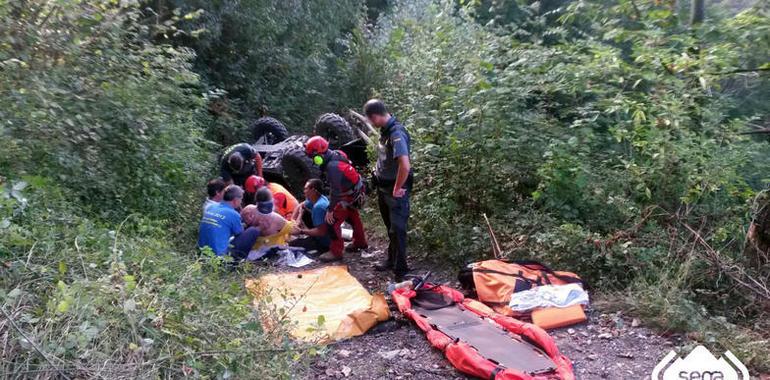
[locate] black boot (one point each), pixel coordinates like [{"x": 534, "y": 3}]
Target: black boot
[{"x": 383, "y": 266}]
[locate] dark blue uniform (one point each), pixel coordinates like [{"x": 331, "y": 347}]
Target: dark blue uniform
[
  {"x": 394, "y": 142},
  {"x": 252, "y": 164}
]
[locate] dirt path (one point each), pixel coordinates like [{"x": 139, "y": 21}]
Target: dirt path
[{"x": 609, "y": 346}]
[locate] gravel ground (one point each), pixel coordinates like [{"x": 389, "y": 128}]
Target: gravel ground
[{"x": 608, "y": 346}]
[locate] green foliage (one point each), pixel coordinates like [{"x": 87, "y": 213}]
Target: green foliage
[
  {"x": 591, "y": 132},
  {"x": 285, "y": 58},
  {"x": 601, "y": 136},
  {"x": 117, "y": 301},
  {"x": 100, "y": 173},
  {"x": 89, "y": 102}
]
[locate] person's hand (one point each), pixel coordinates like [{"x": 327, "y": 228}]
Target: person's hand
[
  {"x": 329, "y": 217},
  {"x": 296, "y": 230},
  {"x": 297, "y": 215},
  {"x": 398, "y": 193}
]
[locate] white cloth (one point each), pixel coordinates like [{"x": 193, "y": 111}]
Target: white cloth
[
  {"x": 294, "y": 258},
  {"x": 290, "y": 256},
  {"x": 548, "y": 296}
]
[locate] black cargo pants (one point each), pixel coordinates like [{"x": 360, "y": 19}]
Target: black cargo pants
[{"x": 395, "y": 214}]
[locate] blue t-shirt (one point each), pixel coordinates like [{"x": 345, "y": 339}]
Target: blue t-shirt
[
  {"x": 218, "y": 224},
  {"x": 317, "y": 214}
]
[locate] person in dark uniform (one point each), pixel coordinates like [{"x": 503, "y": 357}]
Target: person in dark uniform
[
  {"x": 240, "y": 161},
  {"x": 393, "y": 179}
]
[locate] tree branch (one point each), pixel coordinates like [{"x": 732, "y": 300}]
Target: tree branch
[
  {"x": 50, "y": 13},
  {"x": 39, "y": 351},
  {"x": 756, "y": 132},
  {"x": 736, "y": 273},
  {"x": 738, "y": 71}
]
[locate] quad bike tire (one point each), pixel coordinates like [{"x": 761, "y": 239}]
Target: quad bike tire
[
  {"x": 271, "y": 128},
  {"x": 335, "y": 129},
  {"x": 297, "y": 168}
]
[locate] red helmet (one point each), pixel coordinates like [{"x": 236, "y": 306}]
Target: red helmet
[
  {"x": 253, "y": 183},
  {"x": 316, "y": 145}
]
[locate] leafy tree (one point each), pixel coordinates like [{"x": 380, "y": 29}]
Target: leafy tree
[
  {"x": 283, "y": 58},
  {"x": 596, "y": 135},
  {"x": 101, "y": 170},
  {"x": 89, "y": 101}
]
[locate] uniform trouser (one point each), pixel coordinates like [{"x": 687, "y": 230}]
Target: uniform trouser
[
  {"x": 395, "y": 214},
  {"x": 242, "y": 244},
  {"x": 310, "y": 244},
  {"x": 341, "y": 214}
]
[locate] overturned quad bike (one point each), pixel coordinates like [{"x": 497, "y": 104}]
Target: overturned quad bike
[{"x": 283, "y": 156}]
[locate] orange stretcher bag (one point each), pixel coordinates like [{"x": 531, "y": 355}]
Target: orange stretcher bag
[
  {"x": 556, "y": 317},
  {"x": 493, "y": 281}
]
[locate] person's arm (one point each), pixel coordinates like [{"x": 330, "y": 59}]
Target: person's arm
[
  {"x": 334, "y": 196},
  {"x": 335, "y": 191},
  {"x": 258, "y": 162},
  {"x": 319, "y": 231},
  {"x": 400, "y": 142},
  {"x": 403, "y": 173},
  {"x": 297, "y": 214},
  {"x": 224, "y": 172},
  {"x": 237, "y": 225}
]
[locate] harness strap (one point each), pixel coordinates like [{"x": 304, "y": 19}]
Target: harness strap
[
  {"x": 495, "y": 371},
  {"x": 355, "y": 189}
]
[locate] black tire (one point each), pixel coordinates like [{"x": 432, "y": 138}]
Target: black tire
[
  {"x": 297, "y": 168},
  {"x": 335, "y": 129},
  {"x": 272, "y": 129}
]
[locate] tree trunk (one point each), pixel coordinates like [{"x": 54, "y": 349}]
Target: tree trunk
[
  {"x": 757, "y": 247},
  {"x": 697, "y": 12}
]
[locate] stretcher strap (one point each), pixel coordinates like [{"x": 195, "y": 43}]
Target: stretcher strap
[{"x": 495, "y": 372}]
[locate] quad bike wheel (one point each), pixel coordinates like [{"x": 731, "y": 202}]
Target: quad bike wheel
[
  {"x": 297, "y": 169},
  {"x": 335, "y": 129},
  {"x": 269, "y": 130}
]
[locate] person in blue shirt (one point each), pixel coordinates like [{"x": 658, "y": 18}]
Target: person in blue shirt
[
  {"x": 215, "y": 189},
  {"x": 310, "y": 218},
  {"x": 221, "y": 222}
]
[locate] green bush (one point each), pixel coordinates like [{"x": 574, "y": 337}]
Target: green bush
[
  {"x": 119, "y": 301},
  {"x": 101, "y": 171},
  {"x": 284, "y": 58},
  {"x": 594, "y": 135},
  {"x": 88, "y": 101}
]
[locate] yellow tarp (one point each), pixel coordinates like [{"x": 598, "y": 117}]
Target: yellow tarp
[{"x": 347, "y": 308}]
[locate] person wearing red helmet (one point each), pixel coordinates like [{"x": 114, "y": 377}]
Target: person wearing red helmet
[
  {"x": 345, "y": 196},
  {"x": 285, "y": 202},
  {"x": 250, "y": 187},
  {"x": 254, "y": 183}
]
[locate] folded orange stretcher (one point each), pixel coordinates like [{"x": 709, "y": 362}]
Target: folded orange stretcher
[
  {"x": 480, "y": 342},
  {"x": 494, "y": 281}
]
